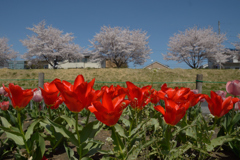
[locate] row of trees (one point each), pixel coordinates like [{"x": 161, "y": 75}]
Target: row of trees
[{"x": 119, "y": 45}]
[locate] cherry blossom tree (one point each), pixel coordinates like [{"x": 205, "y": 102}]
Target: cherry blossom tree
[
  {"x": 6, "y": 52},
  {"x": 237, "y": 44},
  {"x": 120, "y": 46},
  {"x": 51, "y": 45},
  {"x": 196, "y": 45}
]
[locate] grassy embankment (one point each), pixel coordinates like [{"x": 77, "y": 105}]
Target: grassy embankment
[{"x": 123, "y": 75}]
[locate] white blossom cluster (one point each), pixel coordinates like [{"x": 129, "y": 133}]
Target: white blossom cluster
[
  {"x": 196, "y": 45},
  {"x": 6, "y": 52},
  {"x": 120, "y": 46}
]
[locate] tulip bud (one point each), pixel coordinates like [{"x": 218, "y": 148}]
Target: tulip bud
[
  {"x": 237, "y": 106},
  {"x": 195, "y": 91},
  {"x": 4, "y": 105},
  {"x": 2, "y": 91},
  {"x": 37, "y": 96},
  {"x": 233, "y": 87},
  {"x": 222, "y": 94}
]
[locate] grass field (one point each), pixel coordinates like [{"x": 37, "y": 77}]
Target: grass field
[{"x": 171, "y": 76}]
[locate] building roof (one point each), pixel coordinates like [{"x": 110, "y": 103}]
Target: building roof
[{"x": 157, "y": 64}]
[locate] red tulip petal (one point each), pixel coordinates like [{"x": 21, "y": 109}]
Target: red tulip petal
[
  {"x": 67, "y": 84},
  {"x": 116, "y": 101},
  {"x": 79, "y": 80},
  {"x": 160, "y": 109},
  {"x": 107, "y": 102}
]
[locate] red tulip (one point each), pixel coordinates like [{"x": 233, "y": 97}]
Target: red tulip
[
  {"x": 109, "y": 111},
  {"x": 50, "y": 93},
  {"x": 78, "y": 96},
  {"x": 233, "y": 87},
  {"x": 139, "y": 97},
  {"x": 173, "y": 112},
  {"x": 114, "y": 91},
  {"x": 156, "y": 96},
  {"x": 178, "y": 95},
  {"x": 219, "y": 107},
  {"x": 19, "y": 97},
  {"x": 4, "y": 105},
  {"x": 193, "y": 98}
]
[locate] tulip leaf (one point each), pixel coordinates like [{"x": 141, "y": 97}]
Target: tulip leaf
[
  {"x": 40, "y": 146},
  {"x": 14, "y": 134},
  {"x": 70, "y": 153},
  {"x": 5, "y": 122},
  {"x": 135, "y": 150},
  {"x": 86, "y": 158},
  {"x": 90, "y": 130},
  {"x": 70, "y": 121},
  {"x": 16, "y": 138},
  {"x": 91, "y": 147},
  {"x": 31, "y": 129},
  {"x": 120, "y": 130},
  {"x": 62, "y": 130},
  {"x": 154, "y": 122},
  {"x": 219, "y": 141},
  {"x": 137, "y": 128},
  {"x": 118, "y": 143},
  {"x": 235, "y": 120},
  {"x": 125, "y": 121},
  {"x": 176, "y": 152}
]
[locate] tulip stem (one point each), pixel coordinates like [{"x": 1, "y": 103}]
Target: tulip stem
[
  {"x": 118, "y": 143},
  {"x": 88, "y": 117},
  {"x": 214, "y": 125},
  {"x": 21, "y": 130},
  {"x": 49, "y": 112},
  {"x": 79, "y": 140}
]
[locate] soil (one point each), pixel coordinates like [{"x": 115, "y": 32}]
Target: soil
[{"x": 60, "y": 153}]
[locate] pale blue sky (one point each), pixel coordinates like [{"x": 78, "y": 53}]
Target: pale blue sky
[{"x": 161, "y": 19}]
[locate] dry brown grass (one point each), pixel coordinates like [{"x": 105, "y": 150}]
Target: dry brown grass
[{"x": 123, "y": 75}]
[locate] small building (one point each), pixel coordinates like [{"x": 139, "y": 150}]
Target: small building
[
  {"x": 17, "y": 64},
  {"x": 232, "y": 63},
  {"x": 79, "y": 63},
  {"x": 156, "y": 65}
]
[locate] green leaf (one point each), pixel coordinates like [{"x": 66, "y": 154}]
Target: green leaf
[
  {"x": 91, "y": 147},
  {"x": 5, "y": 122},
  {"x": 61, "y": 129},
  {"x": 90, "y": 130},
  {"x": 137, "y": 128},
  {"x": 70, "y": 121},
  {"x": 30, "y": 129},
  {"x": 125, "y": 121},
  {"x": 154, "y": 122},
  {"x": 70, "y": 153},
  {"x": 120, "y": 130},
  {"x": 134, "y": 152},
  {"x": 119, "y": 145},
  {"x": 176, "y": 152},
  {"x": 86, "y": 158},
  {"x": 16, "y": 138},
  {"x": 39, "y": 142},
  {"x": 219, "y": 141}
]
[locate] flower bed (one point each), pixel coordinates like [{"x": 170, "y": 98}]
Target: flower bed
[{"x": 141, "y": 122}]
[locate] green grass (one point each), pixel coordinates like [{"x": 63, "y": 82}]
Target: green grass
[{"x": 125, "y": 74}]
